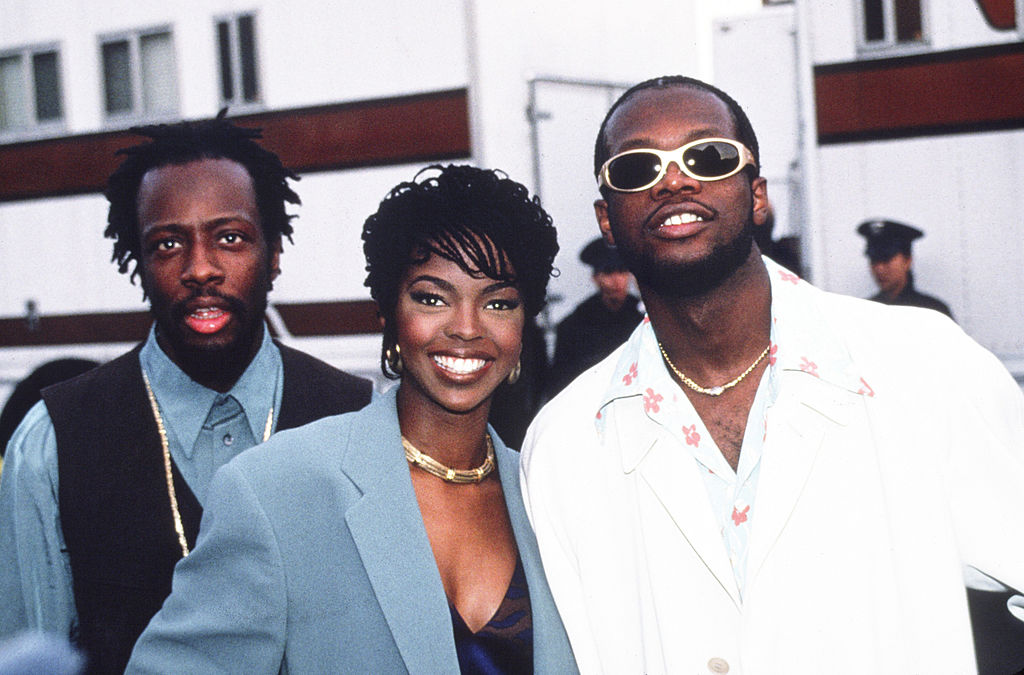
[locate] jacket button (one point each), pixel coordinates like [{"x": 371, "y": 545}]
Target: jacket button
[{"x": 718, "y": 666}]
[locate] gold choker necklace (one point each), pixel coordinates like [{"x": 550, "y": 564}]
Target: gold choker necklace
[
  {"x": 179, "y": 527},
  {"x": 712, "y": 391},
  {"x": 448, "y": 474}
]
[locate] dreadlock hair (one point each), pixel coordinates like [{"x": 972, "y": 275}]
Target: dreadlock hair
[
  {"x": 184, "y": 142},
  {"x": 743, "y": 127},
  {"x": 480, "y": 219}
]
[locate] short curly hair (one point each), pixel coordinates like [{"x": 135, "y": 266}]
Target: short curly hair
[
  {"x": 184, "y": 142},
  {"x": 479, "y": 219}
]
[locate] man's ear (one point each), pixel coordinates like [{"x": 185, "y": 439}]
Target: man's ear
[
  {"x": 761, "y": 206},
  {"x": 601, "y": 211}
]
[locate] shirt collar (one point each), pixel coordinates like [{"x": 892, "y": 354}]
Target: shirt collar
[
  {"x": 184, "y": 403},
  {"x": 802, "y": 345},
  {"x": 803, "y": 342}
]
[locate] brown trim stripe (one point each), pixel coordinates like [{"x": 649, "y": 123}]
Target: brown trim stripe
[
  {"x": 326, "y": 319},
  {"x": 422, "y": 127},
  {"x": 960, "y": 91}
]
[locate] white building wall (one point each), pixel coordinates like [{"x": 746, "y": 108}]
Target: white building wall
[
  {"x": 312, "y": 52},
  {"x": 598, "y": 41},
  {"x": 949, "y": 24},
  {"x": 963, "y": 190}
]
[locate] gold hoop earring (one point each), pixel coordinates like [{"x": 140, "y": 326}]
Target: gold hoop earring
[
  {"x": 394, "y": 360},
  {"x": 513, "y": 377}
]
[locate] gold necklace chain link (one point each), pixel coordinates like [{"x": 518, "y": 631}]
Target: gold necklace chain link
[
  {"x": 172, "y": 494},
  {"x": 446, "y": 473},
  {"x": 720, "y": 389}
]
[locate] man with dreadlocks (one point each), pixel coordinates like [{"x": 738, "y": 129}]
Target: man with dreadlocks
[{"x": 105, "y": 478}]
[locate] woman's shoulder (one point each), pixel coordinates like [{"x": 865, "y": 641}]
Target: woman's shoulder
[{"x": 322, "y": 441}]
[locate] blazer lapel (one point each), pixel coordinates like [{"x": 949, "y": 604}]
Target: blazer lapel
[
  {"x": 388, "y": 531},
  {"x": 808, "y": 416},
  {"x": 550, "y": 643},
  {"x": 673, "y": 478}
]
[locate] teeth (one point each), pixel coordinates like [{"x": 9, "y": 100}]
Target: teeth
[
  {"x": 459, "y": 366},
  {"x": 683, "y": 219},
  {"x": 207, "y": 312}
]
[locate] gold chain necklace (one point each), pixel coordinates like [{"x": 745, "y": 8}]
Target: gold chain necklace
[
  {"x": 446, "y": 473},
  {"x": 712, "y": 391},
  {"x": 179, "y": 527}
]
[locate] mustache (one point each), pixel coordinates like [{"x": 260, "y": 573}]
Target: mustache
[{"x": 179, "y": 310}]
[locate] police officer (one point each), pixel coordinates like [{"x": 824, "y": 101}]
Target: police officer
[
  {"x": 888, "y": 249},
  {"x": 600, "y": 323}
]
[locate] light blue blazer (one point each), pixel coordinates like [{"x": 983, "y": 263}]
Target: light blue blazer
[{"x": 312, "y": 557}]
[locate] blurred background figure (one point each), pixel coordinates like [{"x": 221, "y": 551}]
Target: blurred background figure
[
  {"x": 888, "y": 249},
  {"x": 27, "y": 392},
  {"x": 600, "y": 323},
  {"x": 784, "y": 250},
  {"x": 515, "y": 403}
]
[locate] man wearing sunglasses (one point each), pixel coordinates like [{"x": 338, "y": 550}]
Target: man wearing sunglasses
[{"x": 765, "y": 478}]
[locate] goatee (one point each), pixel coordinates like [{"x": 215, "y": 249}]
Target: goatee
[{"x": 689, "y": 280}]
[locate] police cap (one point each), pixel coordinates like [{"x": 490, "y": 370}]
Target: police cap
[
  {"x": 602, "y": 257},
  {"x": 886, "y": 238}
]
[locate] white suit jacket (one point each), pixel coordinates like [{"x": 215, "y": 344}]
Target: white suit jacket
[{"x": 878, "y": 485}]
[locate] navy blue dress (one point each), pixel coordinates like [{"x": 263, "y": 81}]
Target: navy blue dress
[{"x": 505, "y": 644}]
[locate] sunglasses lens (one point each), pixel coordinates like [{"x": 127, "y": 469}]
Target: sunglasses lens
[
  {"x": 713, "y": 159},
  {"x": 634, "y": 171}
]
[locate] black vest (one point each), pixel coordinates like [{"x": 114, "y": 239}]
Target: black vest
[{"x": 114, "y": 507}]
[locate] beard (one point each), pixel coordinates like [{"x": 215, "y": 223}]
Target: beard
[
  {"x": 672, "y": 279},
  {"x": 202, "y": 355}
]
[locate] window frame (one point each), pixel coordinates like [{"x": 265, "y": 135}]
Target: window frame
[
  {"x": 137, "y": 113},
  {"x": 235, "y": 45},
  {"x": 37, "y": 127},
  {"x": 889, "y": 45}
]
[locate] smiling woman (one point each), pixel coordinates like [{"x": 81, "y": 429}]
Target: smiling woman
[
  {"x": 457, "y": 260},
  {"x": 394, "y": 539}
]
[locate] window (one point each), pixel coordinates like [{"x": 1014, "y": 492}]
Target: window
[
  {"x": 236, "y": 47},
  {"x": 139, "y": 75},
  {"x": 890, "y": 23},
  {"x": 30, "y": 94}
]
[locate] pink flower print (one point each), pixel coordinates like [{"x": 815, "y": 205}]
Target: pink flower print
[
  {"x": 647, "y": 319},
  {"x": 631, "y": 375},
  {"x": 692, "y": 437},
  {"x": 740, "y": 517},
  {"x": 866, "y": 389},
  {"x": 773, "y": 354},
  {"x": 789, "y": 276},
  {"x": 598, "y": 416},
  {"x": 808, "y": 366},
  {"x": 651, "y": 401}
]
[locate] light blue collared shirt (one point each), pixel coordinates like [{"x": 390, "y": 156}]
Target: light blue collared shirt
[{"x": 35, "y": 573}]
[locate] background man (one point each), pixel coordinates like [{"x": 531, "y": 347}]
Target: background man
[
  {"x": 600, "y": 323},
  {"x": 888, "y": 250},
  {"x": 766, "y": 478},
  {"x": 104, "y": 480}
]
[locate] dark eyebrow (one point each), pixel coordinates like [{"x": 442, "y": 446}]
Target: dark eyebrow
[
  {"x": 433, "y": 280},
  {"x": 219, "y": 221},
  {"x": 500, "y": 286},
  {"x": 446, "y": 286}
]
